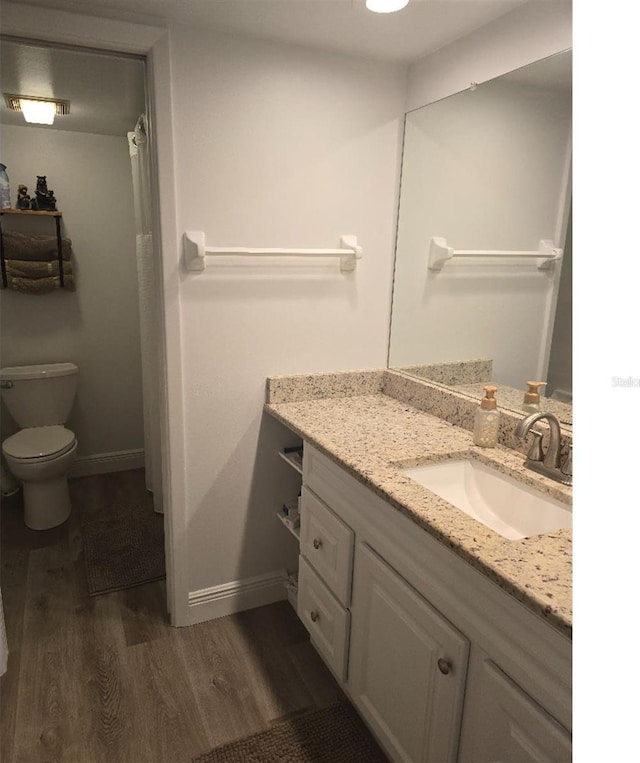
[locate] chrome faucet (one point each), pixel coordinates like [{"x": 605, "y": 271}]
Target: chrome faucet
[{"x": 548, "y": 463}]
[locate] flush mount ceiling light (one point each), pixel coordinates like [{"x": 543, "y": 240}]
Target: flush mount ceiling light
[
  {"x": 386, "y": 6},
  {"x": 37, "y": 110}
]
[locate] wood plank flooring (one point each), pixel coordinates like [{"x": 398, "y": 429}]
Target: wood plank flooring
[{"x": 107, "y": 680}]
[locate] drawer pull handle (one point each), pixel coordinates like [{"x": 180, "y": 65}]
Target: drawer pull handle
[
  {"x": 314, "y": 616},
  {"x": 317, "y": 543},
  {"x": 444, "y": 666}
]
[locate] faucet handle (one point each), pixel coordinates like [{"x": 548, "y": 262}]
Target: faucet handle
[
  {"x": 567, "y": 464},
  {"x": 535, "y": 451}
]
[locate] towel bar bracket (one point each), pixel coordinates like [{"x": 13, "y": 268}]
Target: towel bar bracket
[
  {"x": 349, "y": 261},
  {"x": 193, "y": 250}
]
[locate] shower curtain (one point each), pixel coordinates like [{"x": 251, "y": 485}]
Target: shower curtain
[{"x": 149, "y": 333}]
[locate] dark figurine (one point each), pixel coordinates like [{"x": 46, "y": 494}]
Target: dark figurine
[
  {"x": 45, "y": 200},
  {"x": 24, "y": 200}
]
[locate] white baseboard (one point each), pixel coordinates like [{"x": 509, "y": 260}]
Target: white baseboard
[
  {"x": 103, "y": 463},
  {"x": 236, "y": 596}
]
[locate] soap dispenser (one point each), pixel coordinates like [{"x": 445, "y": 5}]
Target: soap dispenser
[
  {"x": 487, "y": 420},
  {"x": 531, "y": 402}
]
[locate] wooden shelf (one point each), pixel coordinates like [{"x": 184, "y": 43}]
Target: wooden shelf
[
  {"x": 57, "y": 216},
  {"x": 294, "y": 460},
  {"x": 41, "y": 213},
  {"x": 292, "y": 589},
  {"x": 295, "y": 531}
]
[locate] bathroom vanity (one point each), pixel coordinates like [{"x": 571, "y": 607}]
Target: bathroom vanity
[{"x": 453, "y": 642}]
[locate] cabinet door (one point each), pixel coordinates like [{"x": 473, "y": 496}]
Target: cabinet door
[
  {"x": 502, "y": 724},
  {"x": 407, "y": 665}
]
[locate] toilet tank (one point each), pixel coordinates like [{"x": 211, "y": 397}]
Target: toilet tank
[{"x": 41, "y": 395}]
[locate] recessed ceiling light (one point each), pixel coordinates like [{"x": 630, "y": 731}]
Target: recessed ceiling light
[{"x": 386, "y": 6}]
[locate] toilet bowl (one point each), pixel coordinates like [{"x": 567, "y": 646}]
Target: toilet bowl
[
  {"x": 41, "y": 457},
  {"x": 39, "y": 399}
]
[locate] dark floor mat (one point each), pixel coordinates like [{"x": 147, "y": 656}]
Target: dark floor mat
[
  {"x": 330, "y": 735},
  {"x": 123, "y": 547}
]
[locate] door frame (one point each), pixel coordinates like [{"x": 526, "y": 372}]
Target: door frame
[{"x": 45, "y": 25}]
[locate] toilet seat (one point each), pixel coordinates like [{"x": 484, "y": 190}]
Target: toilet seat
[{"x": 37, "y": 444}]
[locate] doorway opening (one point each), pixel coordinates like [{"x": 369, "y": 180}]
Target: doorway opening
[{"x": 105, "y": 318}]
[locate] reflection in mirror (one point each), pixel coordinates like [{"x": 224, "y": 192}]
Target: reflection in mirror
[{"x": 486, "y": 172}]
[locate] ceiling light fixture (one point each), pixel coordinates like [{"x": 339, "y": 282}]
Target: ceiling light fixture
[
  {"x": 386, "y": 6},
  {"x": 37, "y": 110}
]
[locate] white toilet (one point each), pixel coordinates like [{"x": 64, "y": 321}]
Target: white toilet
[{"x": 40, "y": 399}]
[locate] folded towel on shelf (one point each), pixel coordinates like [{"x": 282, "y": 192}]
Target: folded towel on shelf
[
  {"x": 39, "y": 285},
  {"x": 27, "y": 269},
  {"x": 31, "y": 248}
]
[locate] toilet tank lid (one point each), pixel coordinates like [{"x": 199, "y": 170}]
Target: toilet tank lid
[{"x": 43, "y": 370}]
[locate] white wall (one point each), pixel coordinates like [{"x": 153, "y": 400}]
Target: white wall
[
  {"x": 484, "y": 169},
  {"x": 275, "y": 146},
  {"x": 528, "y": 33},
  {"x": 97, "y": 326}
]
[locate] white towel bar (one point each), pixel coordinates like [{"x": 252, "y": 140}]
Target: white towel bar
[
  {"x": 197, "y": 255},
  {"x": 440, "y": 252}
]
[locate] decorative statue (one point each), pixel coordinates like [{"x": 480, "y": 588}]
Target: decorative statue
[
  {"x": 44, "y": 200},
  {"x": 24, "y": 200}
]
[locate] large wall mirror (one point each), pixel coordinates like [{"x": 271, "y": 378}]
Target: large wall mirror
[{"x": 482, "y": 285}]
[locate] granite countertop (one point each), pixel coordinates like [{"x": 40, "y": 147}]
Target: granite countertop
[{"x": 373, "y": 435}]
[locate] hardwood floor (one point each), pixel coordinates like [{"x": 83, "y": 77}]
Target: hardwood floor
[{"x": 106, "y": 679}]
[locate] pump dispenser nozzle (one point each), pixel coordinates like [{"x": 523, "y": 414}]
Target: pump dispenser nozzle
[
  {"x": 489, "y": 401},
  {"x": 531, "y": 402}
]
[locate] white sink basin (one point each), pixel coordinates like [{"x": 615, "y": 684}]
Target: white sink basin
[{"x": 501, "y": 503}]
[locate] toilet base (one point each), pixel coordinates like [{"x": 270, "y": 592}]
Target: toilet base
[{"x": 46, "y": 503}]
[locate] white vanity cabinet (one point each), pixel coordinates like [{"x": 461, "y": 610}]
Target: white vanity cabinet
[
  {"x": 407, "y": 665},
  {"x": 442, "y": 664}
]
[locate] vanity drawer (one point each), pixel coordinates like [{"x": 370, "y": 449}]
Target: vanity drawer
[
  {"x": 327, "y": 543},
  {"x": 325, "y": 618}
]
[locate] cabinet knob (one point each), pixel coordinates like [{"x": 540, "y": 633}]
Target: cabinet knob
[
  {"x": 317, "y": 543},
  {"x": 444, "y": 666},
  {"x": 314, "y": 616}
]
